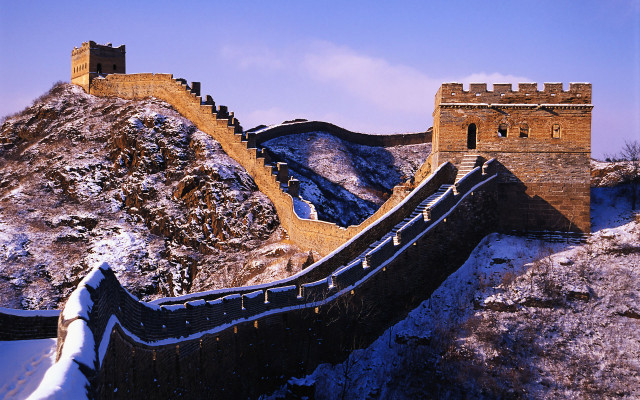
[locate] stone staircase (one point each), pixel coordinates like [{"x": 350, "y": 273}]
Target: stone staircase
[
  {"x": 424, "y": 205},
  {"x": 469, "y": 162}
]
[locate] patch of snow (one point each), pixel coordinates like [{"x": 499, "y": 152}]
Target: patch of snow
[
  {"x": 302, "y": 208},
  {"x": 78, "y": 304},
  {"x": 24, "y": 364},
  {"x": 63, "y": 380},
  {"x": 79, "y": 344}
]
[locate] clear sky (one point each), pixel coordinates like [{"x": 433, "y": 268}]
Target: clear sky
[{"x": 367, "y": 66}]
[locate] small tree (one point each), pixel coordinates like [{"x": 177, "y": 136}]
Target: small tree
[{"x": 631, "y": 153}]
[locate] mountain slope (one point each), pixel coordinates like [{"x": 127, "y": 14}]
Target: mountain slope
[
  {"x": 84, "y": 179},
  {"x": 522, "y": 318},
  {"x": 346, "y": 182}
]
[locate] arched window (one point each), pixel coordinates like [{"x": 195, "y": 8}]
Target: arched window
[
  {"x": 114, "y": 67},
  {"x": 524, "y": 130},
  {"x": 471, "y": 136},
  {"x": 99, "y": 69},
  {"x": 555, "y": 131}
]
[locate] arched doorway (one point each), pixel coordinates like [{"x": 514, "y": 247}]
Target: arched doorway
[
  {"x": 99, "y": 69},
  {"x": 471, "y": 136}
]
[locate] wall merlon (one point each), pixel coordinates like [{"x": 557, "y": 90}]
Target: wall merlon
[
  {"x": 477, "y": 87},
  {"x": 502, "y": 87},
  {"x": 283, "y": 172},
  {"x": 251, "y": 139},
  {"x": 282, "y": 296},
  {"x": 293, "y": 187},
  {"x": 527, "y": 87},
  {"x": 315, "y": 291},
  {"x": 254, "y": 302},
  {"x": 553, "y": 87}
]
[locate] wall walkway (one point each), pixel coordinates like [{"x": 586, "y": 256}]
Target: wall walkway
[{"x": 242, "y": 344}]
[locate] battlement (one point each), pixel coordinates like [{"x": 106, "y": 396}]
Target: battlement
[
  {"x": 86, "y": 46},
  {"x": 503, "y": 93}
]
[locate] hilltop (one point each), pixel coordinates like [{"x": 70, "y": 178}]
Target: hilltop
[{"x": 86, "y": 179}]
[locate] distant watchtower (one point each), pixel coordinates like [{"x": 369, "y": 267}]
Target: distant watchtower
[
  {"x": 542, "y": 139},
  {"x": 92, "y": 60}
]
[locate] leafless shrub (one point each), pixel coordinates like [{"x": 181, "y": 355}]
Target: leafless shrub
[
  {"x": 54, "y": 90},
  {"x": 623, "y": 249},
  {"x": 508, "y": 278}
]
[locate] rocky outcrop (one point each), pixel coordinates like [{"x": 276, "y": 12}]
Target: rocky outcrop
[{"x": 85, "y": 178}]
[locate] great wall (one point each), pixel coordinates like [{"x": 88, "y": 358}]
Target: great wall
[{"x": 242, "y": 342}]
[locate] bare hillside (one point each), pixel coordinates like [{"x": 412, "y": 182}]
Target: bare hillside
[
  {"x": 346, "y": 182},
  {"x": 86, "y": 179}
]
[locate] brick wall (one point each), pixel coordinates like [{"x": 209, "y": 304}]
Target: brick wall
[
  {"x": 240, "y": 346},
  {"x": 27, "y": 325},
  {"x": 398, "y": 139}
]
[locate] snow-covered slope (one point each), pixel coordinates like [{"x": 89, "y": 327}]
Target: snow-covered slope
[
  {"x": 24, "y": 363},
  {"x": 86, "y": 179},
  {"x": 346, "y": 182},
  {"x": 521, "y": 318}
]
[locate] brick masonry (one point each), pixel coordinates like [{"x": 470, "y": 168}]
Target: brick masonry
[
  {"x": 91, "y": 60},
  {"x": 27, "y": 325}
]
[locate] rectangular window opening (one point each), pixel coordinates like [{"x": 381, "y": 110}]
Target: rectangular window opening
[{"x": 502, "y": 130}]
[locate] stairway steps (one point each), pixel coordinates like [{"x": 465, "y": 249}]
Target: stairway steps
[{"x": 467, "y": 165}]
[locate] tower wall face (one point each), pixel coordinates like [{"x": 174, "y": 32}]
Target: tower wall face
[
  {"x": 542, "y": 139},
  {"x": 92, "y": 60}
]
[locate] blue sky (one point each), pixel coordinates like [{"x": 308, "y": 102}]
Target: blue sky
[{"x": 368, "y": 66}]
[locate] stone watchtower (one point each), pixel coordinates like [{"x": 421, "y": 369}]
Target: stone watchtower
[
  {"x": 92, "y": 60},
  {"x": 542, "y": 139}
]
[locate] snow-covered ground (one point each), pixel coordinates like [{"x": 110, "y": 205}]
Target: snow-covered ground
[
  {"x": 86, "y": 179},
  {"x": 522, "y": 318},
  {"x": 24, "y": 363}
]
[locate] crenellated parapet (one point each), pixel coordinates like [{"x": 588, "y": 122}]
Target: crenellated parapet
[
  {"x": 552, "y": 94},
  {"x": 271, "y": 177}
]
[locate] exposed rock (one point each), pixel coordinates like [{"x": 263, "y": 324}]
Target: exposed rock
[{"x": 86, "y": 179}]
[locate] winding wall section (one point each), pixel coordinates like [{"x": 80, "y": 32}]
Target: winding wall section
[
  {"x": 323, "y": 237},
  {"x": 242, "y": 344},
  {"x": 297, "y": 127}
]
